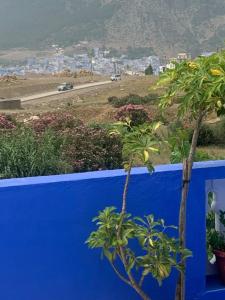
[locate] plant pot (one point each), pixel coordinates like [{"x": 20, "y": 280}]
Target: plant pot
[{"x": 220, "y": 261}]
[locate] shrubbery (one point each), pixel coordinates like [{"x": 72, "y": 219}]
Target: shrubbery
[
  {"x": 219, "y": 132},
  {"x": 92, "y": 148},
  {"x": 7, "y": 122},
  {"x": 136, "y": 113},
  {"x": 206, "y": 136},
  {"x": 56, "y": 143},
  {"x": 132, "y": 99},
  {"x": 213, "y": 134},
  {"x": 86, "y": 148},
  {"x": 24, "y": 154},
  {"x": 54, "y": 121}
]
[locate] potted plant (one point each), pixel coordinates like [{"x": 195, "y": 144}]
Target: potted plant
[{"x": 216, "y": 241}]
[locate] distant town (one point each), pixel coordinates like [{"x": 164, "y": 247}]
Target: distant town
[{"x": 98, "y": 63}]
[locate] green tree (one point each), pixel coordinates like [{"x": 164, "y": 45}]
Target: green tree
[
  {"x": 199, "y": 88},
  {"x": 159, "y": 252},
  {"x": 149, "y": 70}
]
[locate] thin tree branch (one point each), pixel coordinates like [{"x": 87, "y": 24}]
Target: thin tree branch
[
  {"x": 121, "y": 251},
  {"x": 133, "y": 282},
  {"x": 119, "y": 274},
  {"x": 124, "y": 199},
  {"x": 141, "y": 280},
  {"x": 125, "y": 191}
]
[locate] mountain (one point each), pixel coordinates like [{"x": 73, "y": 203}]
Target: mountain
[{"x": 166, "y": 26}]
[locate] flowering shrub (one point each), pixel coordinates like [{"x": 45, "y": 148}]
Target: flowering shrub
[
  {"x": 55, "y": 143},
  {"x": 6, "y": 122},
  {"x": 85, "y": 148},
  {"x": 90, "y": 149},
  {"x": 136, "y": 113},
  {"x": 54, "y": 121}
]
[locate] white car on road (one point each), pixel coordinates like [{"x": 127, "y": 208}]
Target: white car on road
[
  {"x": 116, "y": 77},
  {"x": 65, "y": 87}
]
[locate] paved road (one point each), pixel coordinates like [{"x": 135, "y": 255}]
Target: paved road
[{"x": 79, "y": 87}]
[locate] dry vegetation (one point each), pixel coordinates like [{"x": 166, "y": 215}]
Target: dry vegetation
[{"x": 90, "y": 105}]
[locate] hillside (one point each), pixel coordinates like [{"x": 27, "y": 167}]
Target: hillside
[{"x": 167, "y": 26}]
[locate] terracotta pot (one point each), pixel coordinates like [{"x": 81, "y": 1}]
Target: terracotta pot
[{"x": 220, "y": 261}]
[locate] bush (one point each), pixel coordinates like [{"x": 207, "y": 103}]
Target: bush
[
  {"x": 132, "y": 99},
  {"x": 136, "y": 113},
  {"x": 86, "y": 148},
  {"x": 55, "y": 121},
  {"x": 24, "y": 154},
  {"x": 91, "y": 149},
  {"x": 219, "y": 132},
  {"x": 56, "y": 143},
  {"x": 203, "y": 156},
  {"x": 206, "y": 136},
  {"x": 200, "y": 155},
  {"x": 7, "y": 122}
]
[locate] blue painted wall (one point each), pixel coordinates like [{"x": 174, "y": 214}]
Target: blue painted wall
[{"x": 45, "y": 221}]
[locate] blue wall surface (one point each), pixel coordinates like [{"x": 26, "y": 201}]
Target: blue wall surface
[{"x": 45, "y": 221}]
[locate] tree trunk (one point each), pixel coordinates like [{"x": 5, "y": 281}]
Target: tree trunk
[
  {"x": 124, "y": 201},
  {"x": 186, "y": 177},
  {"x": 132, "y": 280}
]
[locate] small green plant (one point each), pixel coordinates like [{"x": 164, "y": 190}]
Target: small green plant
[
  {"x": 215, "y": 238},
  {"x": 180, "y": 146},
  {"x": 116, "y": 230}
]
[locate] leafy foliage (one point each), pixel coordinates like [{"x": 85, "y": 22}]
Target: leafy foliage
[
  {"x": 139, "y": 142},
  {"x": 117, "y": 233},
  {"x": 55, "y": 143},
  {"x": 136, "y": 113},
  {"x": 86, "y": 148},
  {"x": 92, "y": 148},
  {"x": 179, "y": 144},
  {"x": 55, "y": 121},
  {"x": 160, "y": 253},
  {"x": 200, "y": 85}
]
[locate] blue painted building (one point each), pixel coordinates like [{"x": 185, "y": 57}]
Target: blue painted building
[{"x": 45, "y": 221}]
